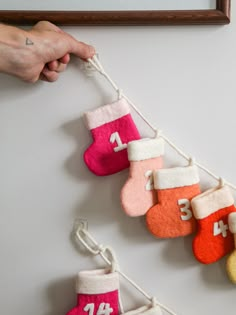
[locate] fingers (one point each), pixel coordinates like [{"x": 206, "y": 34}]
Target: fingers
[
  {"x": 56, "y": 66},
  {"x": 48, "y": 75},
  {"x": 81, "y": 49},
  {"x": 65, "y": 59}
]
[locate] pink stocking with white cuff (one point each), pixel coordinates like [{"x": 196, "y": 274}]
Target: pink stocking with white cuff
[
  {"x": 97, "y": 293},
  {"x": 112, "y": 127},
  {"x": 145, "y": 156}
]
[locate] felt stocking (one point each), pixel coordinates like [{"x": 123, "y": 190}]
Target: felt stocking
[
  {"x": 213, "y": 239},
  {"x": 146, "y": 310},
  {"x": 138, "y": 195},
  {"x": 112, "y": 127},
  {"x": 97, "y": 293},
  {"x": 172, "y": 216}
]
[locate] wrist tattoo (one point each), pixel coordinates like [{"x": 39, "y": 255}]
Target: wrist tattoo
[{"x": 28, "y": 42}]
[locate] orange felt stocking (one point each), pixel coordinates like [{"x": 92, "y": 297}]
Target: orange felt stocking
[
  {"x": 213, "y": 239},
  {"x": 172, "y": 216}
]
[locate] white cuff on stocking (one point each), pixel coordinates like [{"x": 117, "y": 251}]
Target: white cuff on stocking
[
  {"x": 97, "y": 281},
  {"x": 145, "y": 310},
  {"x": 176, "y": 177},
  {"x": 210, "y": 201},
  {"x": 144, "y": 149},
  {"x": 106, "y": 114}
]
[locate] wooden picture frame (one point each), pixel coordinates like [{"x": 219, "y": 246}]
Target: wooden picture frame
[{"x": 219, "y": 15}]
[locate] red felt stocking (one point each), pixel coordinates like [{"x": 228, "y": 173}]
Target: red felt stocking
[{"x": 213, "y": 239}]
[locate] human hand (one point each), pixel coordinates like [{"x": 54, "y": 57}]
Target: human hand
[{"x": 40, "y": 53}]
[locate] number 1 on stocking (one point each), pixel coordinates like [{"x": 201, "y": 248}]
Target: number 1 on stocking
[{"x": 115, "y": 137}]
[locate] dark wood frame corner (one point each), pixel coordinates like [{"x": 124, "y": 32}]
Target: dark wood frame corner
[{"x": 220, "y": 15}]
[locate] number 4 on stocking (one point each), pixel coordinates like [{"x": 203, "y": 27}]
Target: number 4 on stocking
[
  {"x": 213, "y": 239},
  {"x": 112, "y": 127}
]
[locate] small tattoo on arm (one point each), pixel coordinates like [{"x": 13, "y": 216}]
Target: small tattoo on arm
[{"x": 28, "y": 42}]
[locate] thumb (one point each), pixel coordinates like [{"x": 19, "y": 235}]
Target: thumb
[{"x": 81, "y": 49}]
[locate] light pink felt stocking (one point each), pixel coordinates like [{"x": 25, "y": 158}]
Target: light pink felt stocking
[
  {"x": 145, "y": 156},
  {"x": 112, "y": 127}
]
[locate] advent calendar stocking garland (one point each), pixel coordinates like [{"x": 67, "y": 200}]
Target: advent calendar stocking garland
[
  {"x": 101, "y": 298},
  {"x": 170, "y": 198}
]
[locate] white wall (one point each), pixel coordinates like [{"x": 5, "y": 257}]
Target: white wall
[{"x": 183, "y": 79}]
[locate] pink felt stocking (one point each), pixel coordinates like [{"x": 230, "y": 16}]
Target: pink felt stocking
[
  {"x": 138, "y": 194},
  {"x": 97, "y": 293},
  {"x": 112, "y": 127}
]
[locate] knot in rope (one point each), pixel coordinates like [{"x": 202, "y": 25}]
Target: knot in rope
[{"x": 158, "y": 133}]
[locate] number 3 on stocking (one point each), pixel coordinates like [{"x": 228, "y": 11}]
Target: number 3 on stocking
[{"x": 187, "y": 213}]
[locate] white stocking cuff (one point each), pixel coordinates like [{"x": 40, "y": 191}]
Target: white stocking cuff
[
  {"x": 97, "y": 281},
  {"x": 211, "y": 200},
  {"x": 144, "y": 149},
  {"x": 176, "y": 177},
  {"x": 145, "y": 310},
  {"x": 106, "y": 114}
]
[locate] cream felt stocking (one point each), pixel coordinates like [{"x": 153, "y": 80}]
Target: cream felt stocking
[
  {"x": 112, "y": 127},
  {"x": 172, "y": 216},
  {"x": 146, "y": 310},
  {"x": 145, "y": 156},
  {"x": 213, "y": 239}
]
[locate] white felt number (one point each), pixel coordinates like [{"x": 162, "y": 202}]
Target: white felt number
[
  {"x": 115, "y": 137},
  {"x": 89, "y": 308},
  {"x": 104, "y": 309},
  {"x": 150, "y": 184},
  {"x": 185, "y": 208},
  {"x": 220, "y": 228}
]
